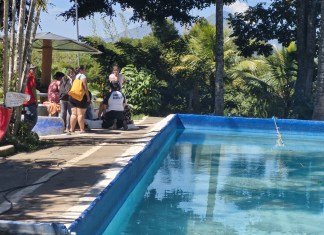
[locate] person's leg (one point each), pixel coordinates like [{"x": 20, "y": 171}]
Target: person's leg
[
  {"x": 128, "y": 115},
  {"x": 73, "y": 119},
  {"x": 100, "y": 111},
  {"x": 108, "y": 120},
  {"x": 81, "y": 117},
  {"x": 63, "y": 113},
  {"x": 88, "y": 114},
  {"x": 31, "y": 115},
  {"x": 121, "y": 122},
  {"x": 68, "y": 115}
]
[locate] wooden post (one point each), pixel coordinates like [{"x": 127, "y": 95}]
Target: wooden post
[{"x": 46, "y": 65}]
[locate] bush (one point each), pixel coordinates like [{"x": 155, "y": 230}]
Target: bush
[
  {"x": 25, "y": 140},
  {"x": 141, "y": 90}
]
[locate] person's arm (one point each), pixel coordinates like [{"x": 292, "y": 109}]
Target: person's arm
[
  {"x": 35, "y": 94},
  {"x": 33, "y": 89},
  {"x": 105, "y": 103},
  {"x": 124, "y": 101},
  {"x": 85, "y": 85}
]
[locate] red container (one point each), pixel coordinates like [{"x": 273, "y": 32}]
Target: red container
[{"x": 5, "y": 115}]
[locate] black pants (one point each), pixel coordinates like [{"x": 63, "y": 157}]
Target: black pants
[{"x": 111, "y": 116}]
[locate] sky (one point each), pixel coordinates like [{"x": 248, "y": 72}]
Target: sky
[{"x": 51, "y": 23}]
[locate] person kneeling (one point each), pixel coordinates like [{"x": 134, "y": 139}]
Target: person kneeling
[{"x": 114, "y": 105}]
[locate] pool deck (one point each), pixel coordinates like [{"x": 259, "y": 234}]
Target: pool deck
[{"x": 81, "y": 166}]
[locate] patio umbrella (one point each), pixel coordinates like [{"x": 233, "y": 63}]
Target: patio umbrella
[{"x": 47, "y": 42}]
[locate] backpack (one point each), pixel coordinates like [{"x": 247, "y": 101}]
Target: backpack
[
  {"x": 77, "y": 91},
  {"x": 65, "y": 87}
]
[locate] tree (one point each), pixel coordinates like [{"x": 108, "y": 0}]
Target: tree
[
  {"x": 15, "y": 59},
  {"x": 146, "y": 10},
  {"x": 196, "y": 67},
  {"x": 319, "y": 99},
  {"x": 285, "y": 21},
  {"x": 165, "y": 31},
  {"x": 219, "y": 76}
]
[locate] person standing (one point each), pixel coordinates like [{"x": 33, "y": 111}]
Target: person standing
[
  {"x": 30, "y": 107},
  {"x": 116, "y": 76},
  {"x": 78, "y": 108},
  {"x": 65, "y": 87}
]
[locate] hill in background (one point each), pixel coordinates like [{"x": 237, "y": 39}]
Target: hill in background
[{"x": 145, "y": 29}]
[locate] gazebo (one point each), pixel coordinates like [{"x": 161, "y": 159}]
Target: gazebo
[{"x": 49, "y": 42}]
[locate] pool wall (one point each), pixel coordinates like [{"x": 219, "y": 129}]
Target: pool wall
[
  {"x": 108, "y": 202},
  {"x": 286, "y": 126}
]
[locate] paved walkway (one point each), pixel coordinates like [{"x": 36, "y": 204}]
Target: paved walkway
[{"x": 76, "y": 169}]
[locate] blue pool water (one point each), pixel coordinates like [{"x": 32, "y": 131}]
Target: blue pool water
[
  {"x": 228, "y": 182},
  {"x": 216, "y": 175}
]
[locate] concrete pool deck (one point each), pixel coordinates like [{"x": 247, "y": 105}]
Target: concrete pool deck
[{"x": 78, "y": 167}]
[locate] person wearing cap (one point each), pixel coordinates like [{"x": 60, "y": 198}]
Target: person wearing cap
[
  {"x": 30, "y": 107},
  {"x": 114, "y": 104}
]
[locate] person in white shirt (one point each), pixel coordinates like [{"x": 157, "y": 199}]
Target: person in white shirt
[{"x": 114, "y": 104}]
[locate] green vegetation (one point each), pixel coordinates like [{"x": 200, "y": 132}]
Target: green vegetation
[
  {"x": 25, "y": 140},
  {"x": 176, "y": 74},
  {"x": 138, "y": 116}
]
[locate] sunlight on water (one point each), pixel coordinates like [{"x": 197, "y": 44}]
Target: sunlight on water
[{"x": 229, "y": 183}]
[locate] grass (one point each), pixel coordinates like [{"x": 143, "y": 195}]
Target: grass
[{"x": 138, "y": 116}]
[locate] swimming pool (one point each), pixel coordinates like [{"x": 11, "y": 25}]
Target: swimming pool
[{"x": 217, "y": 175}]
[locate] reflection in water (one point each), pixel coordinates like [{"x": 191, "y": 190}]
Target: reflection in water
[{"x": 233, "y": 185}]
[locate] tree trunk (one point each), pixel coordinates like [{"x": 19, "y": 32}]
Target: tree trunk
[
  {"x": 219, "y": 83},
  {"x": 318, "y": 113},
  {"x": 12, "y": 45},
  {"x": 22, "y": 53},
  {"x": 306, "y": 35},
  {"x": 19, "y": 44},
  {"x": 5, "y": 47},
  {"x": 27, "y": 43}
]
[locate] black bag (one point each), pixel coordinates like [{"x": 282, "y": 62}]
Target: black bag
[{"x": 65, "y": 87}]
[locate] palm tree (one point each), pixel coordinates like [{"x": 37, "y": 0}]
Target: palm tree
[
  {"x": 219, "y": 83},
  {"x": 262, "y": 86},
  {"x": 283, "y": 67},
  {"x": 319, "y": 99},
  {"x": 247, "y": 92}
]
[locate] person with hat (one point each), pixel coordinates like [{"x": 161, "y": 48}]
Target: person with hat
[
  {"x": 30, "y": 106},
  {"x": 114, "y": 104}
]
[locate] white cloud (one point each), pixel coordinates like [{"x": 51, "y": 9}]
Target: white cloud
[{"x": 236, "y": 7}]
